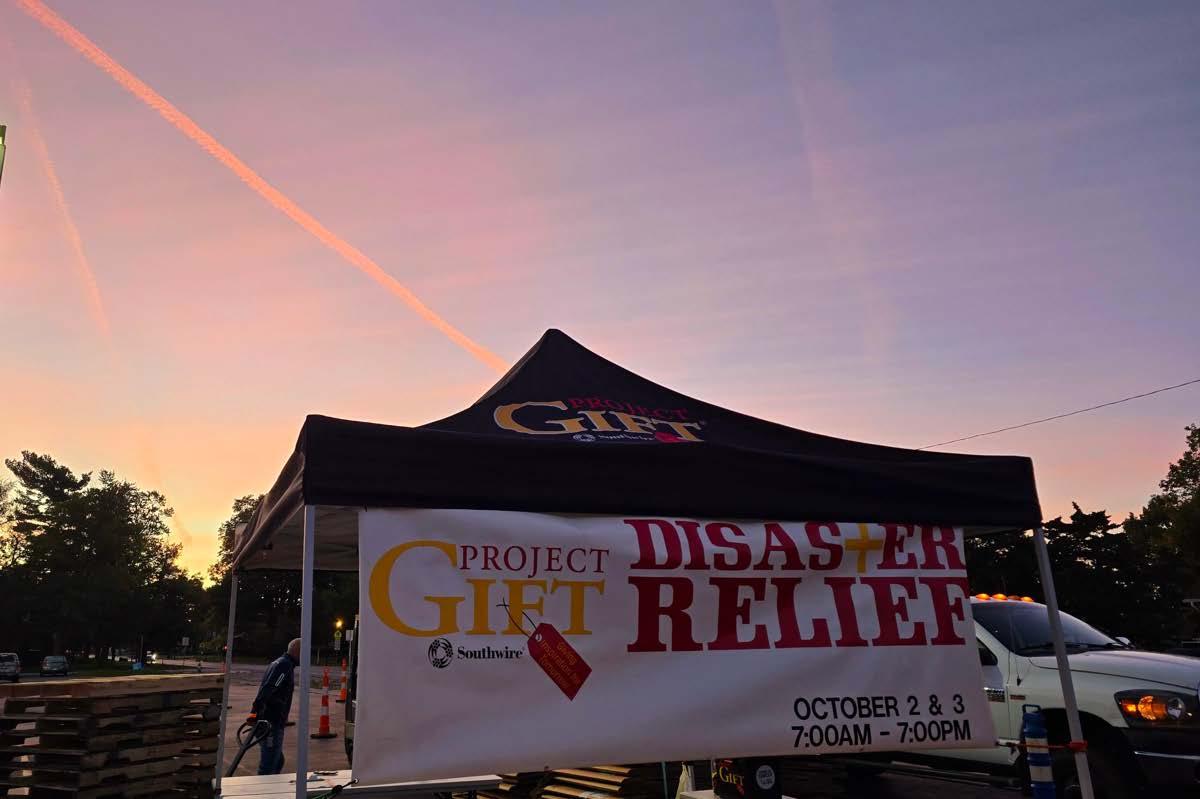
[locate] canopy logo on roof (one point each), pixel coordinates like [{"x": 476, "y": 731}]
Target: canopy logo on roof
[{"x": 595, "y": 418}]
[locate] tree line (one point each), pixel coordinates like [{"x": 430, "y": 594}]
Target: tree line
[
  {"x": 1128, "y": 579},
  {"x": 88, "y": 566}
]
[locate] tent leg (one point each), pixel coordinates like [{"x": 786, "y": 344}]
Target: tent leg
[
  {"x": 306, "y": 608},
  {"x": 233, "y": 587},
  {"x": 1064, "y": 666}
]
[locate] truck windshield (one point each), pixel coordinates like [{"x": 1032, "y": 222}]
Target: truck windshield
[{"x": 1025, "y": 628}]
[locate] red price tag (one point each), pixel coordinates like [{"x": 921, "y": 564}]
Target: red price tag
[{"x": 558, "y": 659}]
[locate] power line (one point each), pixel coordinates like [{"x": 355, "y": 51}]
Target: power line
[{"x": 1062, "y": 415}]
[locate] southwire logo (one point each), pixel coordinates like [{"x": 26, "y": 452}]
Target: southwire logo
[{"x": 442, "y": 653}]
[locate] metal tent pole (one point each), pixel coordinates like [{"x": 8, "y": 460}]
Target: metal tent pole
[
  {"x": 233, "y": 579},
  {"x": 306, "y": 608},
  {"x": 1064, "y": 666}
]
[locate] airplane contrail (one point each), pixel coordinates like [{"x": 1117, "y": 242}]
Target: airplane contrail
[
  {"x": 82, "y": 266},
  {"x": 89, "y": 50}
]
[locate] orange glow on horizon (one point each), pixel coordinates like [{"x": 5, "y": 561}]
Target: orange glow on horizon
[{"x": 351, "y": 254}]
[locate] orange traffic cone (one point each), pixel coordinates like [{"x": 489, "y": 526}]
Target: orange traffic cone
[
  {"x": 342, "y": 693},
  {"x": 323, "y": 730}
]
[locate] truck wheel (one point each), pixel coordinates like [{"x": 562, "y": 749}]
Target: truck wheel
[{"x": 1109, "y": 779}]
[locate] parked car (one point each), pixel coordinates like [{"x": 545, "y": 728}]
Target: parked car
[
  {"x": 54, "y": 664},
  {"x": 1140, "y": 710},
  {"x": 10, "y": 666}
]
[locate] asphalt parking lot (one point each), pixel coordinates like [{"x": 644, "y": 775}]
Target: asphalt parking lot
[{"x": 323, "y": 754}]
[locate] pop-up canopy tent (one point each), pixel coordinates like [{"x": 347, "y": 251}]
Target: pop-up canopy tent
[{"x": 567, "y": 431}]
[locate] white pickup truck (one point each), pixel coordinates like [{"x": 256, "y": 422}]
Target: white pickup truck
[{"x": 1140, "y": 710}]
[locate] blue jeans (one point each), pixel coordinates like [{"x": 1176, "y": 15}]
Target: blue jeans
[{"x": 270, "y": 760}]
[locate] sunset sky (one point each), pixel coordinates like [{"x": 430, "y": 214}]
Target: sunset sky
[{"x": 902, "y": 223}]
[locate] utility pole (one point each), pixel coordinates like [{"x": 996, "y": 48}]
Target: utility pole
[{"x": 3, "y": 128}]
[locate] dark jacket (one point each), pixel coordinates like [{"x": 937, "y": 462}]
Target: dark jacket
[{"x": 274, "y": 699}]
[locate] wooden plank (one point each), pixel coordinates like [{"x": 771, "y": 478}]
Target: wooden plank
[
  {"x": 140, "y": 720},
  {"x": 586, "y": 784},
  {"x": 109, "y": 705},
  {"x": 42, "y": 759},
  {"x": 557, "y": 790},
  {"x": 56, "y": 777},
  {"x": 36, "y": 717},
  {"x": 112, "y": 686},
  {"x": 39, "y": 749},
  {"x": 189, "y": 731},
  {"x": 591, "y": 774},
  {"x": 17, "y": 778},
  {"x": 182, "y": 748},
  {"x": 41, "y": 720},
  {"x": 608, "y": 782},
  {"x": 74, "y": 762}
]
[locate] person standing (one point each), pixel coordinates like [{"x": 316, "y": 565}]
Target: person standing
[{"x": 273, "y": 703}]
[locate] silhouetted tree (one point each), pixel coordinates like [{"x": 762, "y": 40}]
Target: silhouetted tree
[
  {"x": 1127, "y": 579},
  {"x": 1168, "y": 528},
  {"x": 89, "y": 564}
]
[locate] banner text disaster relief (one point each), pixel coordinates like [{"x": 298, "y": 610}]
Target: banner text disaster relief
[{"x": 502, "y": 641}]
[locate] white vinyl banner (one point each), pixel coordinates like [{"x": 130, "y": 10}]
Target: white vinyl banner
[{"x": 497, "y": 641}]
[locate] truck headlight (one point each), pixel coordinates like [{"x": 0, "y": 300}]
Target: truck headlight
[{"x": 1160, "y": 708}]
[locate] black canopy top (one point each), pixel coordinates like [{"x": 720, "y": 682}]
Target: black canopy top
[{"x": 567, "y": 431}]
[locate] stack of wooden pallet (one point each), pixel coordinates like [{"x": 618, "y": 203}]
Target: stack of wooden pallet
[
  {"x": 98, "y": 738},
  {"x": 525, "y": 785},
  {"x": 642, "y": 781}
]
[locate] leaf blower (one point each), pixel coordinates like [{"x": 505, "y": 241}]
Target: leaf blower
[{"x": 252, "y": 732}]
